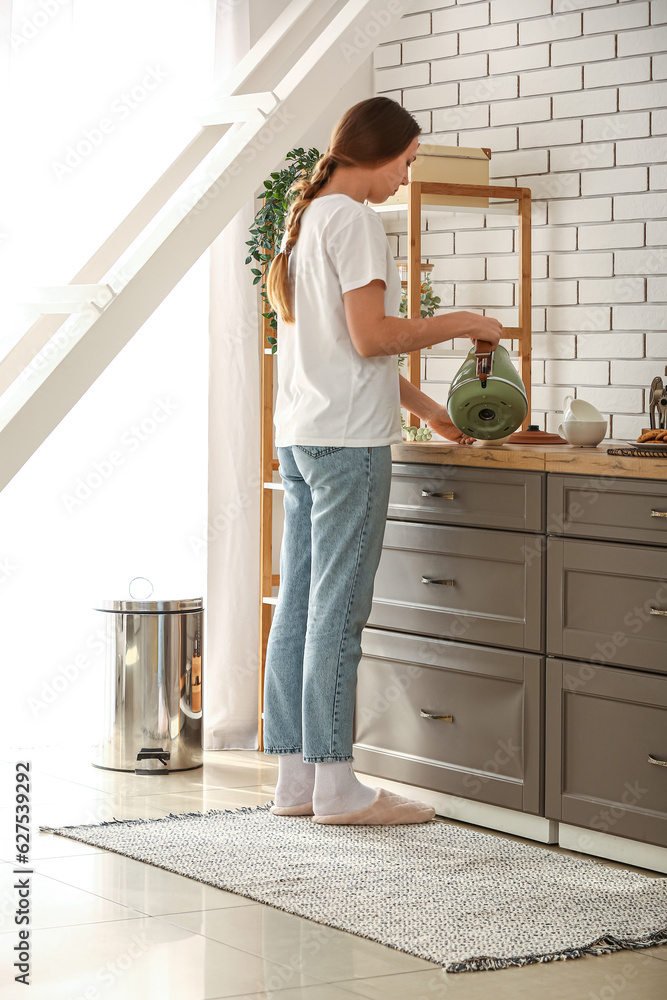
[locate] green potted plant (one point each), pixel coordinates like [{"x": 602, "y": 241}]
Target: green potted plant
[{"x": 429, "y": 304}]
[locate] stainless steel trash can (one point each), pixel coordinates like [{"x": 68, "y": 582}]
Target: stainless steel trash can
[{"x": 153, "y": 686}]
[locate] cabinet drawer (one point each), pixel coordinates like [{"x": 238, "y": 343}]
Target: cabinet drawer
[
  {"x": 607, "y": 602},
  {"x": 605, "y": 728},
  {"x": 631, "y": 510},
  {"x": 460, "y": 583},
  {"x": 491, "y": 748},
  {"x": 453, "y": 494}
]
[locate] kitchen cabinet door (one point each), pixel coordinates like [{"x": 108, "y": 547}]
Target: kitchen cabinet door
[
  {"x": 607, "y": 602},
  {"x": 460, "y": 583},
  {"x": 477, "y": 498},
  {"x": 631, "y": 510},
  {"x": 606, "y": 749},
  {"x": 454, "y": 717}
]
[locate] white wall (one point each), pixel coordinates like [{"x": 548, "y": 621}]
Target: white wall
[
  {"x": 119, "y": 487},
  {"x": 572, "y": 105}
]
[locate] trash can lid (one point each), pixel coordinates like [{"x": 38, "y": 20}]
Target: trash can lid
[{"x": 151, "y": 607}]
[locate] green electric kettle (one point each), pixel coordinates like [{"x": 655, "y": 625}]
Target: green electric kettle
[{"x": 487, "y": 398}]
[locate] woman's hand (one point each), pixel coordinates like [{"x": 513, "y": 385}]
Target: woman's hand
[
  {"x": 442, "y": 424},
  {"x": 486, "y": 328}
]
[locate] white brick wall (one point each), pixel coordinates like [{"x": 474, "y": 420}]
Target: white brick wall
[
  {"x": 571, "y": 97},
  {"x": 645, "y": 95},
  {"x": 549, "y": 81},
  {"x": 591, "y": 102},
  {"x": 582, "y": 49},
  {"x": 617, "y": 71},
  {"x": 549, "y": 28},
  {"x": 510, "y": 10},
  {"x": 642, "y": 151},
  {"x": 631, "y": 43},
  {"x": 530, "y": 109},
  {"x": 597, "y": 129},
  {"x": 625, "y": 15},
  {"x": 518, "y": 58},
  {"x": 610, "y": 181}
]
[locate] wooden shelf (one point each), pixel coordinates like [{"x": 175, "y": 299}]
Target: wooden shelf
[
  {"x": 494, "y": 209},
  {"x": 414, "y": 209}
]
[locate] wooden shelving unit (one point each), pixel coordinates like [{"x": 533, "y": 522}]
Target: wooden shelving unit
[{"x": 520, "y": 333}]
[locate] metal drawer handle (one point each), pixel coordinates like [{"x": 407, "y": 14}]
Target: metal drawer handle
[
  {"x": 659, "y": 513},
  {"x": 657, "y": 611},
  {"x": 654, "y": 760},
  {"x": 446, "y": 496},
  {"x": 450, "y": 583},
  {"x": 432, "y": 715}
]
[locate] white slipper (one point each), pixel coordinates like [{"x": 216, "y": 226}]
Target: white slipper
[
  {"x": 386, "y": 809},
  {"x": 305, "y": 809}
]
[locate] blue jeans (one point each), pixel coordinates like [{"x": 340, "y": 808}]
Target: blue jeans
[{"x": 335, "y": 508}]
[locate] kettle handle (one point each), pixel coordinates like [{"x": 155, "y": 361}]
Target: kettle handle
[{"x": 484, "y": 356}]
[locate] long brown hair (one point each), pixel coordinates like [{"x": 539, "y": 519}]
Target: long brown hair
[{"x": 373, "y": 131}]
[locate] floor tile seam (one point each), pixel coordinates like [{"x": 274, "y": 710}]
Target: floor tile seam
[
  {"x": 64, "y": 857},
  {"x": 241, "y": 951},
  {"x": 98, "y": 895},
  {"x": 430, "y": 965},
  {"x": 138, "y": 915}
]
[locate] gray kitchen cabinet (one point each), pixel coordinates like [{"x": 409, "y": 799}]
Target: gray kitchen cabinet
[
  {"x": 478, "y": 498},
  {"x": 472, "y": 583},
  {"x": 459, "y": 718},
  {"x": 607, "y": 602},
  {"x": 606, "y": 749},
  {"x": 626, "y": 510},
  {"x": 502, "y": 594}
]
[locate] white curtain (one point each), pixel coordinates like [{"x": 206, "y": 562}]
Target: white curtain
[
  {"x": 231, "y": 668},
  {"x": 232, "y": 617}
]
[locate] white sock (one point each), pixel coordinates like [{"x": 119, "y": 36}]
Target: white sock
[
  {"x": 338, "y": 790},
  {"x": 296, "y": 780}
]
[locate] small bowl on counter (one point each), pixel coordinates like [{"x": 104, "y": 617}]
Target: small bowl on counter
[{"x": 583, "y": 433}]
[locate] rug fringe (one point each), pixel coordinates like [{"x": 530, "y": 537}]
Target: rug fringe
[
  {"x": 154, "y": 819},
  {"x": 603, "y": 946}
]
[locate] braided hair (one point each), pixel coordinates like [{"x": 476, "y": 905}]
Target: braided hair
[{"x": 370, "y": 133}]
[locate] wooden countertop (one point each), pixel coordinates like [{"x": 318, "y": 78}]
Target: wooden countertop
[{"x": 542, "y": 458}]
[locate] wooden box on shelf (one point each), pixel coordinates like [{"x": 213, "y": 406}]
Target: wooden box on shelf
[{"x": 450, "y": 164}]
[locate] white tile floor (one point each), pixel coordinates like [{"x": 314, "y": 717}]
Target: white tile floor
[{"x": 107, "y": 927}]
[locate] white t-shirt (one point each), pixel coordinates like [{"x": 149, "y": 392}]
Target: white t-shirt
[{"x": 328, "y": 393}]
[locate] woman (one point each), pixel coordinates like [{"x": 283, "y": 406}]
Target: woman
[{"x": 336, "y": 290}]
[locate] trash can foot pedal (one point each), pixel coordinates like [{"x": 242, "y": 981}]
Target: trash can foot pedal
[{"x": 148, "y": 753}]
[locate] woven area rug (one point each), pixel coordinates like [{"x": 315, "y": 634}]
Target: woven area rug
[{"x": 463, "y": 899}]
